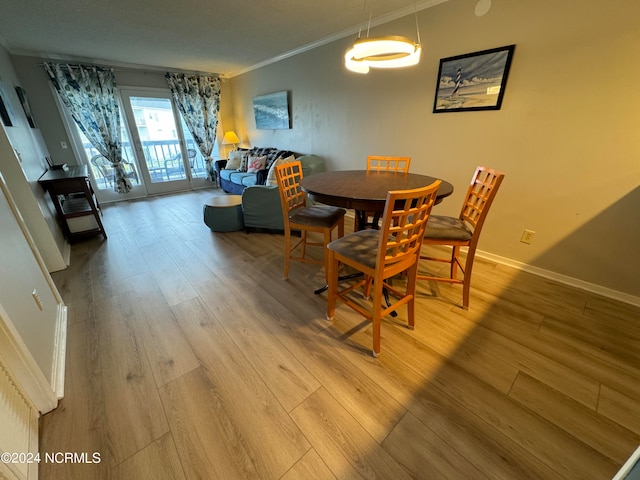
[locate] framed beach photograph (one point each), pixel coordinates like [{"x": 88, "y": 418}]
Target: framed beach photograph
[
  {"x": 22, "y": 95},
  {"x": 474, "y": 81},
  {"x": 272, "y": 111}
]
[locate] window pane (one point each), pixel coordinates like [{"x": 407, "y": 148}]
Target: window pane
[
  {"x": 159, "y": 138},
  {"x": 101, "y": 167},
  {"x": 196, "y": 160}
]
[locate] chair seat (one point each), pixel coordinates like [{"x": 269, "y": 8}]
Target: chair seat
[
  {"x": 463, "y": 231},
  {"x": 297, "y": 215},
  {"x": 361, "y": 246},
  {"x": 447, "y": 228},
  {"x": 317, "y": 216},
  {"x": 380, "y": 255}
]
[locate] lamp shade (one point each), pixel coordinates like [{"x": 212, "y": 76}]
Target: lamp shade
[
  {"x": 382, "y": 52},
  {"x": 230, "y": 138}
]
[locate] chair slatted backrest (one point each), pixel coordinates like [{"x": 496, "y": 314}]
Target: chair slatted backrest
[
  {"x": 403, "y": 225},
  {"x": 482, "y": 190},
  {"x": 289, "y": 176},
  {"x": 388, "y": 164}
]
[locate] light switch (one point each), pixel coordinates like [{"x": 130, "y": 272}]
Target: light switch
[{"x": 37, "y": 298}]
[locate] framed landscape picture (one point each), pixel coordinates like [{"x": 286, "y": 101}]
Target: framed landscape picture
[
  {"x": 272, "y": 111},
  {"x": 474, "y": 81}
]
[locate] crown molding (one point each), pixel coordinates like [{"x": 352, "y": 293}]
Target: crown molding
[
  {"x": 118, "y": 66},
  {"x": 419, "y": 6}
]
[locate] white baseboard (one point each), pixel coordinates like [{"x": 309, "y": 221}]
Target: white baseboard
[
  {"x": 23, "y": 367},
  {"x": 59, "y": 352},
  {"x": 629, "y": 465},
  {"x": 560, "y": 278}
]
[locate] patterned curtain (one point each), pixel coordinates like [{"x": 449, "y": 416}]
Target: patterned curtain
[
  {"x": 89, "y": 94},
  {"x": 198, "y": 99}
]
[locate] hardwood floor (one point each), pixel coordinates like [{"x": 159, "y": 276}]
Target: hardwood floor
[{"x": 189, "y": 357}]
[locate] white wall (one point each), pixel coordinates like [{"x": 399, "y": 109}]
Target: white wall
[
  {"x": 565, "y": 136},
  {"x": 22, "y": 162},
  {"x": 32, "y": 315}
]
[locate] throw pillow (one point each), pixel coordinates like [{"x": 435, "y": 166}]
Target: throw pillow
[
  {"x": 233, "y": 162},
  {"x": 256, "y": 163},
  {"x": 244, "y": 162},
  {"x": 271, "y": 176}
]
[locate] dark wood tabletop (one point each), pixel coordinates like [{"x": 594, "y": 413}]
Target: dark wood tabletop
[
  {"x": 72, "y": 172},
  {"x": 365, "y": 190}
]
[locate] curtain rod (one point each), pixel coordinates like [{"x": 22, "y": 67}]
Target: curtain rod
[{"x": 129, "y": 69}]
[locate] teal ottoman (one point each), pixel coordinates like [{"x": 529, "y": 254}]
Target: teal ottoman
[{"x": 223, "y": 213}]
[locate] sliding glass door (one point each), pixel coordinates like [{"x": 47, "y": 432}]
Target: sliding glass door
[
  {"x": 159, "y": 153},
  {"x": 157, "y": 140}
]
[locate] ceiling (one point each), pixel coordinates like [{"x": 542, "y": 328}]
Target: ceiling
[{"x": 224, "y": 37}]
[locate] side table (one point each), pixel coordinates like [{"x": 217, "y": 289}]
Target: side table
[
  {"x": 223, "y": 213},
  {"x": 73, "y": 198}
]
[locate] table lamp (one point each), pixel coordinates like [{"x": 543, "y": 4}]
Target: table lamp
[{"x": 230, "y": 138}]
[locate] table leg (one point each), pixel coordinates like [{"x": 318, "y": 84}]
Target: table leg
[{"x": 361, "y": 220}]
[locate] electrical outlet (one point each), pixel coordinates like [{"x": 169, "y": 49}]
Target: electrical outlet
[{"x": 527, "y": 236}]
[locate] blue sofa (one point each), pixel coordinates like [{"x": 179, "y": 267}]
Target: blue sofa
[
  {"x": 235, "y": 181},
  {"x": 261, "y": 207}
]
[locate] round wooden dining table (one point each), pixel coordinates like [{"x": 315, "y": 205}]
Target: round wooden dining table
[{"x": 365, "y": 190}]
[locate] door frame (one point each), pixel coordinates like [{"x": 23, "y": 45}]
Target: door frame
[
  {"x": 104, "y": 195},
  {"x": 108, "y": 195},
  {"x": 154, "y": 188}
]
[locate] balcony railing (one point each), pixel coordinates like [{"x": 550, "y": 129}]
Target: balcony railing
[{"x": 163, "y": 159}]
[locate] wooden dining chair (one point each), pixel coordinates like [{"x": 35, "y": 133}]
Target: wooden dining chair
[
  {"x": 464, "y": 230},
  {"x": 300, "y": 217},
  {"x": 381, "y": 254},
  {"x": 377, "y": 163},
  {"x": 388, "y": 164}
]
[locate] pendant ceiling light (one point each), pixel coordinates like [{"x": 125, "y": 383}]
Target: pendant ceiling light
[{"x": 383, "y": 52}]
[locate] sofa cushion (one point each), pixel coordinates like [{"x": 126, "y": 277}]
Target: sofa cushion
[
  {"x": 312, "y": 164},
  {"x": 233, "y": 163},
  {"x": 234, "y": 176},
  {"x": 226, "y": 174},
  {"x": 261, "y": 150},
  {"x": 250, "y": 180},
  {"x": 256, "y": 163},
  {"x": 244, "y": 163},
  {"x": 238, "y": 177},
  {"x": 271, "y": 176},
  {"x": 276, "y": 154}
]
